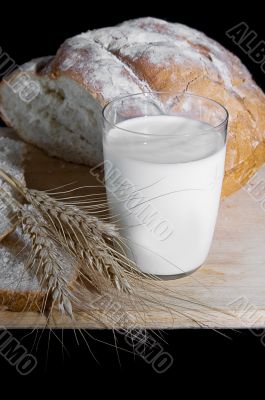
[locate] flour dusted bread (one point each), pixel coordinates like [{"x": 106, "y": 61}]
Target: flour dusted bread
[
  {"x": 19, "y": 287},
  {"x": 139, "y": 55}
]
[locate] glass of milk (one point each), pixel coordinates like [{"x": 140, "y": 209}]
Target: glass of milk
[{"x": 164, "y": 156}]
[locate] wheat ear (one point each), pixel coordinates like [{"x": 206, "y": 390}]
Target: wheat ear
[{"x": 45, "y": 262}]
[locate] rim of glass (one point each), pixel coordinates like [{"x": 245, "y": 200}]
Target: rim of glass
[{"x": 224, "y": 121}]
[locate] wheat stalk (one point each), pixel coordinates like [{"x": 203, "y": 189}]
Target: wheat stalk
[
  {"x": 45, "y": 262},
  {"x": 84, "y": 235}
]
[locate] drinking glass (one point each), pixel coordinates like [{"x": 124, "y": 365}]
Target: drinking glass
[{"x": 164, "y": 156}]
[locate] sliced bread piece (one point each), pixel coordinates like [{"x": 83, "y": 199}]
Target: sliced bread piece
[
  {"x": 12, "y": 153},
  {"x": 19, "y": 287}
]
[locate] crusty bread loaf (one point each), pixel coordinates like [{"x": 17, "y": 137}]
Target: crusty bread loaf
[{"x": 139, "y": 55}]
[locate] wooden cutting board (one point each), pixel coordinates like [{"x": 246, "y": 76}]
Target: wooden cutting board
[{"x": 231, "y": 282}]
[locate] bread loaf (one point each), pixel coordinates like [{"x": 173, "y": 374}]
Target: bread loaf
[{"x": 145, "y": 54}]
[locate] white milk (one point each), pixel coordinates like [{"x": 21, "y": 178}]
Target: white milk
[{"x": 165, "y": 190}]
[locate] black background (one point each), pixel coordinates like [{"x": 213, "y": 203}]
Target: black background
[{"x": 28, "y": 31}]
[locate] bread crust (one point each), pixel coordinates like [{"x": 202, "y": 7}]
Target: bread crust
[{"x": 150, "y": 54}]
